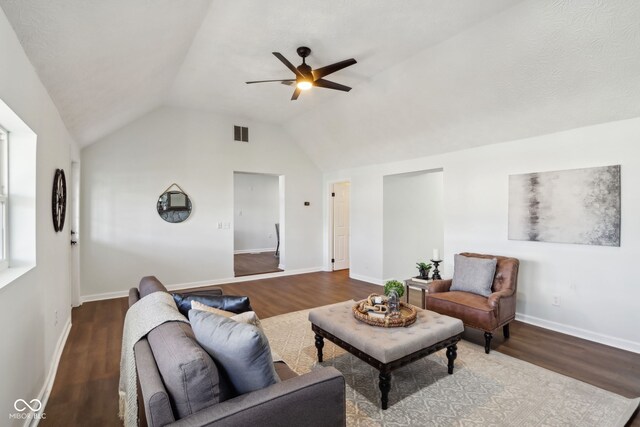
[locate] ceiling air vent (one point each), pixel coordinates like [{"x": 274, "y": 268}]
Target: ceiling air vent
[{"x": 240, "y": 133}]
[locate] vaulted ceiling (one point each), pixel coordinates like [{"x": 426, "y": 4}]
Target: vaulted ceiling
[{"x": 432, "y": 76}]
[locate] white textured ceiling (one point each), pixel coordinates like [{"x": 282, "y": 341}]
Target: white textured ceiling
[
  {"x": 537, "y": 68},
  {"x": 432, "y": 75},
  {"x": 236, "y": 39},
  {"x": 105, "y": 62}
]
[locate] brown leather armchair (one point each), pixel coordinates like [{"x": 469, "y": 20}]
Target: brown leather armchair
[{"x": 477, "y": 311}]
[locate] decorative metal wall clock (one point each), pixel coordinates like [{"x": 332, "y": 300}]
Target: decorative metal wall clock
[{"x": 59, "y": 200}]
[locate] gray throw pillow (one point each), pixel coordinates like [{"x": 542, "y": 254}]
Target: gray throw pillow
[
  {"x": 473, "y": 275},
  {"x": 239, "y": 349},
  {"x": 188, "y": 372}
]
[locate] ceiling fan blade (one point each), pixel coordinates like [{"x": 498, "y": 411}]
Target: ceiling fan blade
[
  {"x": 325, "y": 71},
  {"x": 296, "y": 93},
  {"x": 283, "y": 81},
  {"x": 331, "y": 85},
  {"x": 286, "y": 62}
]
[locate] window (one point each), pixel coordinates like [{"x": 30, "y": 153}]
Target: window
[
  {"x": 18, "y": 149},
  {"x": 4, "y": 197}
]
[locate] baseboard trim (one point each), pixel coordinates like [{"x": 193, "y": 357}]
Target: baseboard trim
[
  {"x": 547, "y": 324},
  {"x": 532, "y": 320},
  {"x": 44, "y": 394},
  {"x": 253, "y": 251},
  {"x": 100, "y": 297},
  {"x": 580, "y": 333},
  {"x": 205, "y": 283},
  {"x": 366, "y": 279}
]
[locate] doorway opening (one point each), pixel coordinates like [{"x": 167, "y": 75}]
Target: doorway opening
[
  {"x": 340, "y": 225},
  {"x": 413, "y": 221},
  {"x": 258, "y": 223}
]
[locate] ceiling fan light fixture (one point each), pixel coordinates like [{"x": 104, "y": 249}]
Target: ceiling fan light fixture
[
  {"x": 305, "y": 77},
  {"x": 304, "y": 85}
]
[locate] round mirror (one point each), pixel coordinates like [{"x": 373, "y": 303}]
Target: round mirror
[{"x": 174, "y": 206}]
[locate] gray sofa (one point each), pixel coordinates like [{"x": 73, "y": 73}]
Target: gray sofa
[{"x": 180, "y": 385}]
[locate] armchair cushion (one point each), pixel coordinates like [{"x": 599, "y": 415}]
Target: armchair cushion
[
  {"x": 473, "y": 309},
  {"x": 473, "y": 275}
]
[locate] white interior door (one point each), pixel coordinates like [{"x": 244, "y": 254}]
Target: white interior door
[{"x": 341, "y": 227}]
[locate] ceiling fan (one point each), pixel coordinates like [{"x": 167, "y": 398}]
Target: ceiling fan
[{"x": 306, "y": 78}]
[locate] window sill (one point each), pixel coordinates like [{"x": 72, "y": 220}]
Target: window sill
[{"x": 12, "y": 274}]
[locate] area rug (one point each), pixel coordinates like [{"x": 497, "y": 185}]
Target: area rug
[{"x": 484, "y": 390}]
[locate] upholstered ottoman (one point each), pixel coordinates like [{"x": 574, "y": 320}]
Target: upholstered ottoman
[{"x": 386, "y": 349}]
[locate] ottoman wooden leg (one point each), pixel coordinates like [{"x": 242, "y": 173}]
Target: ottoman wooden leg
[
  {"x": 452, "y": 353},
  {"x": 319, "y": 345},
  {"x": 385, "y": 386}
]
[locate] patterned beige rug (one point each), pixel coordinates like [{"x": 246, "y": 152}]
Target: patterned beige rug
[{"x": 484, "y": 390}]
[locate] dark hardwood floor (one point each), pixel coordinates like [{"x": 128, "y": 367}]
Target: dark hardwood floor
[
  {"x": 259, "y": 263},
  {"x": 85, "y": 392}
]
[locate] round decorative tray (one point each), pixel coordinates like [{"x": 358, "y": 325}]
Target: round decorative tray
[{"x": 406, "y": 317}]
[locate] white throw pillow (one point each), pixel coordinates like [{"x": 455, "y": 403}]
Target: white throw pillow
[
  {"x": 197, "y": 305},
  {"x": 248, "y": 317}
]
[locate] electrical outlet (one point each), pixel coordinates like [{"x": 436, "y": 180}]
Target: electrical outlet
[
  {"x": 227, "y": 225},
  {"x": 556, "y": 300},
  {"x": 219, "y": 226},
  {"x": 55, "y": 322}
]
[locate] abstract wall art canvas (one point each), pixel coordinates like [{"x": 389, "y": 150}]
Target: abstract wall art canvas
[{"x": 571, "y": 206}]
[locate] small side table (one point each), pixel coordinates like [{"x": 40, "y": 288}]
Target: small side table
[{"x": 420, "y": 284}]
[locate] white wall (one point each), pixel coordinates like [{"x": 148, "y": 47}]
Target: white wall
[
  {"x": 598, "y": 286},
  {"x": 123, "y": 238},
  {"x": 28, "y": 305},
  {"x": 256, "y": 211},
  {"x": 413, "y": 221}
]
